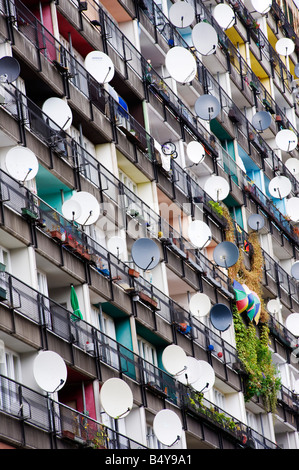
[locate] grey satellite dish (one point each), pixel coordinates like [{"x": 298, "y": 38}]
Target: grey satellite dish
[
  {"x": 9, "y": 69},
  {"x": 199, "y": 305},
  {"x": 90, "y": 208},
  {"x": 174, "y": 359},
  {"x": 167, "y": 427},
  {"x": 116, "y": 398},
  {"x": 292, "y": 323},
  {"x": 196, "y": 152},
  {"x": 100, "y": 66},
  {"x": 295, "y": 270},
  {"x": 226, "y": 254},
  {"x": 206, "y": 378},
  {"x": 217, "y": 188},
  {"x": 49, "y": 371},
  {"x": 207, "y": 107},
  {"x": 286, "y": 140},
  {"x": 292, "y": 165},
  {"x": 71, "y": 209},
  {"x": 224, "y": 15},
  {"x": 199, "y": 234},
  {"x": 280, "y": 187},
  {"x": 21, "y": 163},
  {"x": 256, "y": 222},
  {"x": 221, "y": 317},
  {"x": 292, "y": 208},
  {"x": 181, "y": 14},
  {"x": 296, "y": 70},
  {"x": 261, "y": 120},
  {"x": 261, "y": 6},
  {"x": 145, "y": 253},
  {"x": 285, "y": 46},
  {"x": 205, "y": 38},
  {"x": 59, "y": 113},
  {"x": 181, "y": 64}
]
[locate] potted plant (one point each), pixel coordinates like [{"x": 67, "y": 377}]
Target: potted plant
[
  {"x": 151, "y": 301},
  {"x": 133, "y": 272}
]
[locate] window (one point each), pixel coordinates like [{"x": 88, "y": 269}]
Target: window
[
  {"x": 149, "y": 354},
  {"x": 219, "y": 399},
  {"x": 10, "y": 368},
  {"x": 109, "y": 346}
]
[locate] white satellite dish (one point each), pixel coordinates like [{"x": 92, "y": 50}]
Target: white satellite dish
[
  {"x": 292, "y": 165},
  {"x": 206, "y": 378},
  {"x": 285, "y": 46},
  {"x": 191, "y": 372},
  {"x": 196, "y": 152},
  {"x": 217, "y": 188},
  {"x": 116, "y": 245},
  {"x": 90, "y": 208},
  {"x": 224, "y": 15},
  {"x": 71, "y": 209},
  {"x": 21, "y": 163},
  {"x": 280, "y": 187},
  {"x": 181, "y": 64},
  {"x": 199, "y": 305},
  {"x": 100, "y": 66},
  {"x": 59, "y": 112},
  {"x": 205, "y": 38},
  {"x": 295, "y": 270},
  {"x": 116, "y": 398},
  {"x": 274, "y": 306},
  {"x": 261, "y": 6},
  {"x": 181, "y": 14},
  {"x": 174, "y": 359},
  {"x": 292, "y": 323},
  {"x": 199, "y": 234},
  {"x": 286, "y": 140},
  {"x": 49, "y": 371},
  {"x": 167, "y": 427},
  {"x": 292, "y": 208}
]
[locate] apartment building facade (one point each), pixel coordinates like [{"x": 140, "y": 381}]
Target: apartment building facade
[{"x": 117, "y": 149}]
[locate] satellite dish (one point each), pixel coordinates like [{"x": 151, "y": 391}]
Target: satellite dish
[
  {"x": 205, "y": 38},
  {"x": 145, "y": 253},
  {"x": 116, "y": 245},
  {"x": 292, "y": 165},
  {"x": 199, "y": 305},
  {"x": 9, "y": 69},
  {"x": 292, "y": 208},
  {"x": 167, "y": 427},
  {"x": 71, "y": 209},
  {"x": 286, "y": 140},
  {"x": 274, "y": 306},
  {"x": 292, "y": 323},
  {"x": 261, "y": 6},
  {"x": 285, "y": 46},
  {"x": 100, "y": 66},
  {"x": 224, "y": 15},
  {"x": 226, "y": 254},
  {"x": 181, "y": 64},
  {"x": 295, "y": 270},
  {"x": 296, "y": 70},
  {"x": 116, "y": 398},
  {"x": 261, "y": 120},
  {"x": 174, "y": 359},
  {"x": 280, "y": 187},
  {"x": 90, "y": 208},
  {"x": 206, "y": 378},
  {"x": 49, "y": 371},
  {"x": 196, "y": 152},
  {"x": 191, "y": 372},
  {"x": 221, "y": 317},
  {"x": 207, "y": 107},
  {"x": 256, "y": 221},
  {"x": 21, "y": 163},
  {"x": 217, "y": 188},
  {"x": 181, "y": 14},
  {"x": 199, "y": 234},
  {"x": 59, "y": 112}
]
